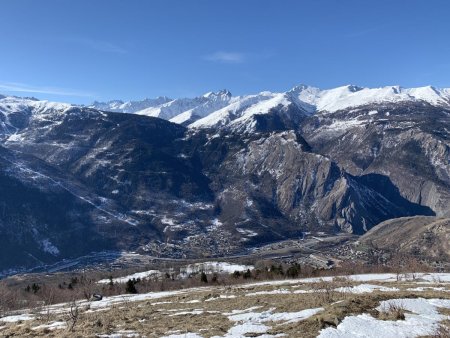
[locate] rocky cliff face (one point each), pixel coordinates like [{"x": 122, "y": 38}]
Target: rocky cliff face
[
  {"x": 409, "y": 143},
  {"x": 306, "y": 190}
]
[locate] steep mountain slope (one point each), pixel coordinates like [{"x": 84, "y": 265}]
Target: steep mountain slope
[
  {"x": 285, "y": 185},
  {"x": 409, "y": 142},
  {"x": 127, "y": 171},
  {"x": 107, "y": 147},
  {"x": 243, "y": 113},
  {"x": 424, "y": 237},
  {"x": 43, "y": 218}
]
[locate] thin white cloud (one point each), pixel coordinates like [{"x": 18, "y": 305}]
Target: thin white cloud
[
  {"x": 103, "y": 46},
  {"x": 226, "y": 57},
  {"x": 362, "y": 32},
  {"x": 24, "y": 88},
  {"x": 98, "y": 45}
]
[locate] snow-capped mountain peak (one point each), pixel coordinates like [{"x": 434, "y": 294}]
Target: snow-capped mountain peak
[
  {"x": 430, "y": 94},
  {"x": 129, "y": 106},
  {"x": 224, "y": 93},
  {"x": 14, "y": 104},
  {"x": 186, "y": 110},
  {"x": 16, "y": 112}
]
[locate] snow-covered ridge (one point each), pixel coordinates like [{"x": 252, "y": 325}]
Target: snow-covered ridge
[
  {"x": 218, "y": 109},
  {"x": 238, "y": 108},
  {"x": 120, "y": 106},
  {"x": 15, "y": 111},
  {"x": 183, "y": 110},
  {"x": 13, "y": 104},
  {"x": 332, "y": 100}
]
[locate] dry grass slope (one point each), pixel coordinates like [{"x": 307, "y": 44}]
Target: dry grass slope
[
  {"x": 421, "y": 236},
  {"x": 208, "y": 311}
]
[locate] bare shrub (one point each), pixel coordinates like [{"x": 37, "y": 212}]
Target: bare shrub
[
  {"x": 343, "y": 281},
  {"x": 394, "y": 311},
  {"x": 9, "y": 299},
  {"x": 73, "y": 315},
  {"x": 437, "y": 279},
  {"x": 324, "y": 291}
]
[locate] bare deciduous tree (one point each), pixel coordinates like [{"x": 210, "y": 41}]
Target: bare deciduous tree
[{"x": 73, "y": 315}]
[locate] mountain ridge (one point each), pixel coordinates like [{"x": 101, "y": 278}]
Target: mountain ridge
[
  {"x": 219, "y": 109},
  {"x": 428, "y": 92}
]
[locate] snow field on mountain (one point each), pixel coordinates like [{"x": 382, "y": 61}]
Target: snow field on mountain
[{"x": 221, "y": 109}]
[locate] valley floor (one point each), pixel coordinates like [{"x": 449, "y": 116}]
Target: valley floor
[{"x": 369, "y": 305}]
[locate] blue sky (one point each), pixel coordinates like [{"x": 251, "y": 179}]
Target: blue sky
[{"x": 86, "y": 50}]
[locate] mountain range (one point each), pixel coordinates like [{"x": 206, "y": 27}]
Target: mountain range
[
  {"x": 219, "y": 108},
  {"x": 218, "y": 174}
]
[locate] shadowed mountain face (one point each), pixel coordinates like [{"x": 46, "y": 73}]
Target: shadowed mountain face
[
  {"x": 41, "y": 218},
  {"x": 77, "y": 180}
]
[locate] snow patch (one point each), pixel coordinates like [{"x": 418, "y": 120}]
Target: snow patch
[
  {"x": 141, "y": 275},
  {"x": 51, "y": 326},
  {"x": 365, "y": 288},
  {"x": 183, "y": 335},
  {"x": 47, "y": 246},
  {"x": 253, "y": 322},
  {"x": 211, "y": 267},
  {"x": 120, "y": 334},
  {"x": 423, "y": 321},
  {"x": 16, "y": 318}
]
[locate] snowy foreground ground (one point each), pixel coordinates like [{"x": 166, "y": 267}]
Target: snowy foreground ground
[{"x": 354, "y": 306}]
